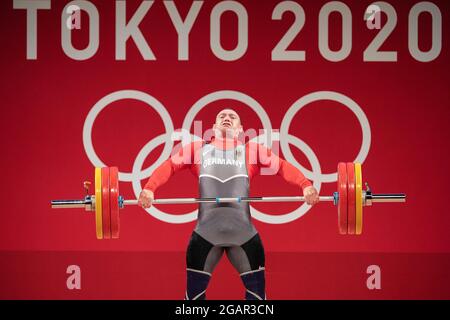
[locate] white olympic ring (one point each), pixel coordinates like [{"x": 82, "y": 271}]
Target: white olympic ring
[
  {"x": 323, "y": 95},
  {"x": 137, "y": 174},
  {"x": 103, "y": 103}
]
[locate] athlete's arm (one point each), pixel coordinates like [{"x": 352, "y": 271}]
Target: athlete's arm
[
  {"x": 269, "y": 163},
  {"x": 183, "y": 159}
]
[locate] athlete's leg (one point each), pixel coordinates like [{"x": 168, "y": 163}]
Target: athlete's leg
[
  {"x": 201, "y": 259},
  {"x": 249, "y": 261}
]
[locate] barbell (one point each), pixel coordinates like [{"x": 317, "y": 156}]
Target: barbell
[{"x": 350, "y": 198}]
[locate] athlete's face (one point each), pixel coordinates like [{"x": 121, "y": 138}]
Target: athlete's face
[{"x": 228, "y": 122}]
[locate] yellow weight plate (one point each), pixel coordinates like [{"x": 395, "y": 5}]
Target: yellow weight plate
[
  {"x": 359, "y": 202},
  {"x": 98, "y": 203}
]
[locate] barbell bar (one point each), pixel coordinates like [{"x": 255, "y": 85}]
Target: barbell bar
[{"x": 349, "y": 199}]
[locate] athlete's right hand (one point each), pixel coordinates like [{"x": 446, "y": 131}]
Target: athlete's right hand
[{"x": 146, "y": 198}]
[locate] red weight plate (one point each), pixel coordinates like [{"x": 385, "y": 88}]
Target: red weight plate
[
  {"x": 342, "y": 203},
  {"x": 114, "y": 201},
  {"x": 351, "y": 198},
  {"x": 106, "y": 212}
]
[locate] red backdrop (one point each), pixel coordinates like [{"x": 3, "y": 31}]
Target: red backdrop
[{"x": 46, "y": 101}]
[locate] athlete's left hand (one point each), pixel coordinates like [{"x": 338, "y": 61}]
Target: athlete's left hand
[{"x": 311, "y": 195}]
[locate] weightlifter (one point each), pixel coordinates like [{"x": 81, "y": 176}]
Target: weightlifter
[{"x": 225, "y": 166}]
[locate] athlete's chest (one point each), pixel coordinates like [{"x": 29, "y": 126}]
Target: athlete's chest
[{"x": 224, "y": 163}]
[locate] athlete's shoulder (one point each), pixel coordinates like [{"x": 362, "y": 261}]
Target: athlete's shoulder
[
  {"x": 197, "y": 144},
  {"x": 255, "y": 146}
]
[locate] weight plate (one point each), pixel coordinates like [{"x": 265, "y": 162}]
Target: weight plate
[
  {"x": 359, "y": 200},
  {"x": 106, "y": 212},
  {"x": 342, "y": 203},
  {"x": 98, "y": 203},
  {"x": 351, "y": 197},
  {"x": 114, "y": 201}
]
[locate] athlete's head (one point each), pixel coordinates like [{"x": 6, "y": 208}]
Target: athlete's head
[{"x": 228, "y": 124}]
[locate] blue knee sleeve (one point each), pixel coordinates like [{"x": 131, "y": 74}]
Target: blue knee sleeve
[
  {"x": 197, "y": 282},
  {"x": 255, "y": 283}
]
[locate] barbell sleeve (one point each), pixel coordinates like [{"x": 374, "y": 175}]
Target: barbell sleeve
[
  {"x": 370, "y": 198},
  {"x": 63, "y": 204}
]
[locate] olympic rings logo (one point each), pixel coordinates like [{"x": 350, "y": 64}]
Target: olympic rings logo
[{"x": 285, "y": 139}]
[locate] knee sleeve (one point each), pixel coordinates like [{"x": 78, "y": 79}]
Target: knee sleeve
[
  {"x": 197, "y": 252},
  {"x": 255, "y": 284},
  {"x": 201, "y": 258},
  {"x": 197, "y": 282},
  {"x": 254, "y": 250}
]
